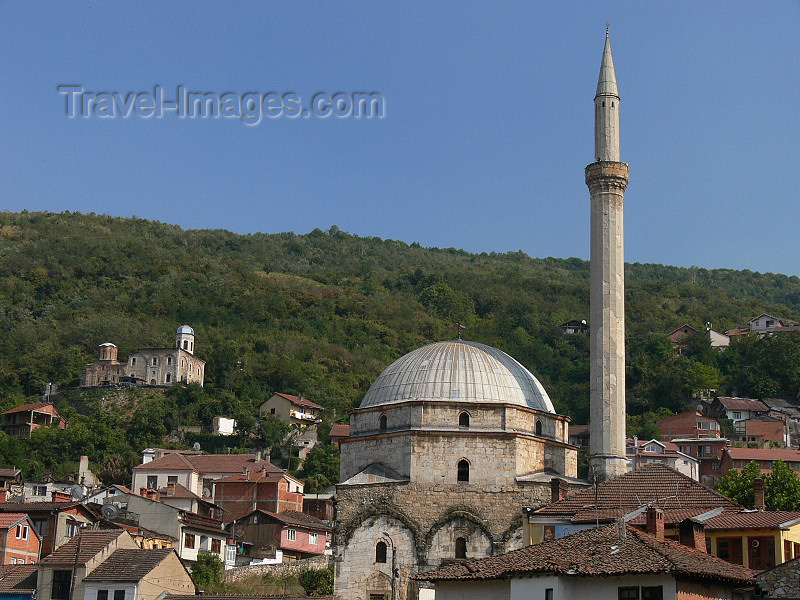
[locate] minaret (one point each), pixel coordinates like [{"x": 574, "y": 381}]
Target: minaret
[{"x": 607, "y": 178}]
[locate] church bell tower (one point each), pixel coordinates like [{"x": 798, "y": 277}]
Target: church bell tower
[{"x": 607, "y": 179}]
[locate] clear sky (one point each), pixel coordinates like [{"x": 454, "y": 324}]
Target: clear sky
[{"x": 486, "y": 126}]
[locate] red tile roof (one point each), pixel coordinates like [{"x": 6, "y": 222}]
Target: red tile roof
[
  {"x": 597, "y": 552},
  {"x": 31, "y": 507},
  {"x": 299, "y": 400},
  {"x": 742, "y": 403},
  {"x": 208, "y": 463},
  {"x": 176, "y": 490},
  {"x": 8, "y": 520},
  {"x": 9, "y": 472},
  {"x": 654, "y": 484},
  {"x": 27, "y": 407},
  {"x": 128, "y": 565},
  {"x": 785, "y": 454},
  {"x": 295, "y": 519},
  {"x": 18, "y": 580},
  {"x": 258, "y": 477},
  {"x": 91, "y": 544},
  {"x": 340, "y": 431},
  {"x": 752, "y": 519}
]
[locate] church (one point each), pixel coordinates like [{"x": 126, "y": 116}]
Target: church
[{"x": 454, "y": 438}]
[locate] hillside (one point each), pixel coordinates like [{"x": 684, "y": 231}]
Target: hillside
[{"x": 323, "y": 313}]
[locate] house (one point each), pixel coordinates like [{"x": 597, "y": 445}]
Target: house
[
  {"x": 575, "y": 326},
  {"x": 54, "y": 522},
  {"x": 296, "y": 535},
  {"x": 640, "y": 453},
  {"x": 22, "y": 420},
  {"x": 738, "y": 458},
  {"x": 737, "y": 409},
  {"x": 99, "y": 496},
  {"x": 19, "y": 542},
  {"x": 689, "y": 424},
  {"x": 129, "y": 574},
  {"x": 292, "y": 409},
  {"x": 149, "y": 366},
  {"x": 338, "y": 433},
  {"x": 185, "y": 499},
  {"x": 321, "y": 506},
  {"x": 761, "y": 431},
  {"x": 708, "y": 451},
  {"x": 271, "y": 491},
  {"x": 627, "y": 496},
  {"x": 10, "y": 478},
  {"x": 764, "y": 323},
  {"x": 578, "y": 435},
  {"x": 62, "y": 573},
  {"x": 718, "y": 341},
  {"x": 607, "y": 563},
  {"x": 192, "y": 533},
  {"x": 197, "y": 472},
  {"x": 681, "y": 332},
  {"x": 18, "y": 582}
]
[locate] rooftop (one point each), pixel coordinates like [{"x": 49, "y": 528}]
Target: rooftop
[
  {"x": 732, "y": 403},
  {"x": 785, "y": 454},
  {"x": 300, "y": 400},
  {"x": 208, "y": 463},
  {"x": 597, "y": 552},
  {"x": 18, "y": 580},
  {"x": 753, "y": 520},
  {"x": 128, "y": 565},
  {"x": 91, "y": 544}
]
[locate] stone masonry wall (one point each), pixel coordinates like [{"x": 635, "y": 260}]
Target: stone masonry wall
[{"x": 279, "y": 570}]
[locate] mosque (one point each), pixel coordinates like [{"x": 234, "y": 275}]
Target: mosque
[{"x": 454, "y": 438}]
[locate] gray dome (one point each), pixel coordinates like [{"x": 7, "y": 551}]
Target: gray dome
[
  {"x": 458, "y": 370},
  {"x": 185, "y": 329}
]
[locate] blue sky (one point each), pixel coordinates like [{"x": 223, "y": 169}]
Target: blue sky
[{"x": 486, "y": 130}]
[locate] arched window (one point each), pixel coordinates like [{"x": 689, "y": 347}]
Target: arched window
[
  {"x": 185, "y": 344},
  {"x": 463, "y": 470},
  {"x": 461, "y": 548},
  {"x": 380, "y": 552},
  {"x": 538, "y": 427},
  {"x": 133, "y": 361},
  {"x": 168, "y": 378},
  {"x": 169, "y": 360},
  {"x": 382, "y": 423},
  {"x": 152, "y": 382},
  {"x": 463, "y": 419},
  {"x": 155, "y": 360}
]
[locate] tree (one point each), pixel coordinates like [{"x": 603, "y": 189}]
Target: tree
[
  {"x": 321, "y": 468},
  {"x": 738, "y": 485},
  {"x": 781, "y": 487},
  {"x": 207, "y": 571},
  {"x": 316, "y": 582}
]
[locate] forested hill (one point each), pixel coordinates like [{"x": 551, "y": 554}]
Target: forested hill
[{"x": 323, "y": 313}]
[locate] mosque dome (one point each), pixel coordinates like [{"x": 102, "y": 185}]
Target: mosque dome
[
  {"x": 185, "y": 329},
  {"x": 458, "y": 370}
]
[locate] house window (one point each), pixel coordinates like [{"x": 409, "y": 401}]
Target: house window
[
  {"x": 169, "y": 360},
  {"x": 463, "y": 419},
  {"x": 463, "y": 470},
  {"x": 272, "y": 411},
  {"x": 216, "y": 546},
  {"x": 312, "y": 539},
  {"x": 119, "y": 594},
  {"x": 628, "y": 593},
  {"x": 653, "y": 592},
  {"x": 730, "y": 549},
  {"x": 380, "y": 552},
  {"x": 22, "y": 532},
  {"x": 189, "y": 540},
  {"x": 40, "y": 490},
  {"x": 102, "y": 594},
  {"x": 548, "y": 594},
  {"x": 172, "y": 479},
  {"x": 737, "y": 415},
  {"x": 133, "y": 361},
  {"x": 382, "y": 423},
  {"x": 72, "y": 528},
  {"x": 152, "y": 482},
  {"x": 461, "y": 548},
  {"x": 61, "y": 585},
  {"x": 291, "y": 535},
  {"x": 155, "y": 361}
]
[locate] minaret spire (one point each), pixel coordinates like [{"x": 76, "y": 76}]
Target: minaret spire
[{"x": 607, "y": 179}]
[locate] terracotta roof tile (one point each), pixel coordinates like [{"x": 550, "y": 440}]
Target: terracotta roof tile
[
  {"x": 654, "y": 484},
  {"x": 92, "y": 543},
  {"x": 128, "y": 565},
  {"x": 785, "y": 454},
  {"x": 26, "y": 407},
  {"x": 9, "y": 472},
  {"x": 16, "y": 580},
  {"x": 300, "y": 400},
  {"x": 11, "y": 519},
  {"x": 751, "y": 519},
  {"x": 741, "y": 403},
  {"x": 340, "y": 431},
  {"x": 597, "y": 552},
  {"x": 208, "y": 463},
  {"x": 296, "y": 519},
  {"x": 30, "y": 507}
]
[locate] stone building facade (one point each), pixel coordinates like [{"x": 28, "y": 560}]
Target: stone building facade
[
  {"x": 148, "y": 366},
  {"x": 448, "y": 445}
]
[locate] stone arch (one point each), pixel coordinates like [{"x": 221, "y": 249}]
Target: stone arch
[
  {"x": 463, "y": 420},
  {"x": 463, "y": 469},
  {"x": 442, "y": 541},
  {"x": 538, "y": 427},
  {"x": 383, "y": 422}
]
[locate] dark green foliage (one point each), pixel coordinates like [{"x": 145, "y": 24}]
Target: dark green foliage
[
  {"x": 316, "y": 582},
  {"x": 321, "y": 468},
  {"x": 207, "y": 571}
]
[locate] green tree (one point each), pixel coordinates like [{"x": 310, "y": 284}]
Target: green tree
[
  {"x": 321, "y": 468},
  {"x": 316, "y": 582},
  {"x": 738, "y": 484},
  {"x": 782, "y": 488},
  {"x": 207, "y": 571}
]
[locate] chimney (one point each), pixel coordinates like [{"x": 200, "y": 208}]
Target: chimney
[
  {"x": 558, "y": 489},
  {"x": 655, "y": 523},
  {"x": 3, "y": 494},
  {"x": 692, "y": 534},
  {"x": 258, "y": 456},
  {"x": 143, "y": 492},
  {"x": 59, "y": 496},
  {"x": 758, "y": 493}
]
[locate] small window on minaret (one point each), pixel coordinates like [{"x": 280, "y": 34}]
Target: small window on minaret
[
  {"x": 604, "y": 103},
  {"x": 612, "y": 105}
]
